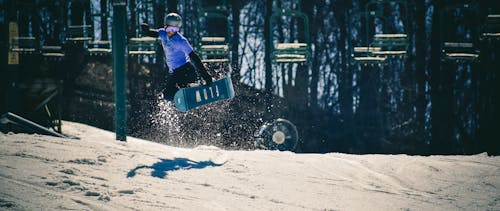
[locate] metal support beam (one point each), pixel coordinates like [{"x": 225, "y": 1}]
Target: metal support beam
[
  {"x": 27, "y": 125},
  {"x": 119, "y": 37}
]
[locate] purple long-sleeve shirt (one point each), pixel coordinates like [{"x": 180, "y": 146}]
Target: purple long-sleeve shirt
[{"x": 176, "y": 48}]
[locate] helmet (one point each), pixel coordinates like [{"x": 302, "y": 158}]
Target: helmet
[{"x": 173, "y": 19}]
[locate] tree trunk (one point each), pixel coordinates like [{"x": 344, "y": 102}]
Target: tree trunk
[
  {"x": 87, "y": 14},
  {"x": 489, "y": 99},
  {"x": 132, "y": 26},
  {"x": 76, "y": 13},
  {"x": 172, "y": 6},
  {"x": 345, "y": 78},
  {"x": 368, "y": 114},
  {"x": 287, "y": 68},
  {"x": 104, "y": 20},
  {"x": 269, "y": 42},
  {"x": 267, "y": 59},
  {"x": 441, "y": 109},
  {"x": 420, "y": 72},
  {"x": 315, "y": 21},
  {"x": 236, "y": 38}
]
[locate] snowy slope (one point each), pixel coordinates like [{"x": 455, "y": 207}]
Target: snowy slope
[{"x": 99, "y": 173}]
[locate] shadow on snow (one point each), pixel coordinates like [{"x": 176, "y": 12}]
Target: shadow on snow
[{"x": 161, "y": 168}]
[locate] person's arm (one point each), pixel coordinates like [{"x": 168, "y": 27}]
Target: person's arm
[
  {"x": 201, "y": 68},
  {"x": 145, "y": 30}
]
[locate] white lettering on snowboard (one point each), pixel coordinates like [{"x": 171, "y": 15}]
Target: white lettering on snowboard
[
  {"x": 206, "y": 96},
  {"x": 198, "y": 97}
]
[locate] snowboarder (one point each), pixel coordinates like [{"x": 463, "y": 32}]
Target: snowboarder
[{"x": 179, "y": 55}]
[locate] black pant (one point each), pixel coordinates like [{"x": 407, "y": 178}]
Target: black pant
[{"x": 180, "y": 78}]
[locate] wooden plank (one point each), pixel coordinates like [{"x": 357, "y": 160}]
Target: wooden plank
[
  {"x": 283, "y": 46},
  {"x": 290, "y": 56},
  {"x": 141, "y": 52},
  {"x": 78, "y": 39},
  {"x": 491, "y": 34},
  {"x": 370, "y": 59},
  {"x": 389, "y": 52},
  {"x": 214, "y": 60},
  {"x": 387, "y": 36},
  {"x": 291, "y": 60},
  {"x": 99, "y": 50},
  {"x": 213, "y": 39},
  {"x": 367, "y": 49},
  {"x": 458, "y": 45},
  {"x": 143, "y": 39},
  {"x": 462, "y": 55},
  {"x": 215, "y": 47}
]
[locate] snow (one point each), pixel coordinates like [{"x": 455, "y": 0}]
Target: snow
[{"x": 96, "y": 172}]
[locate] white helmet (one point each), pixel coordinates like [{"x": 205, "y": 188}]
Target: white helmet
[{"x": 173, "y": 19}]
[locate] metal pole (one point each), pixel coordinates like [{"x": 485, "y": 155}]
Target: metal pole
[{"x": 118, "y": 42}]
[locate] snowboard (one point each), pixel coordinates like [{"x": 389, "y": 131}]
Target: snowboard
[{"x": 192, "y": 97}]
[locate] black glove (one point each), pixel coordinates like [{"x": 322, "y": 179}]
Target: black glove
[
  {"x": 146, "y": 31},
  {"x": 202, "y": 70},
  {"x": 144, "y": 28},
  {"x": 206, "y": 77}
]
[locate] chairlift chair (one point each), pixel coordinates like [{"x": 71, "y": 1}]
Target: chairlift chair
[
  {"x": 461, "y": 52},
  {"x": 491, "y": 28},
  {"x": 23, "y": 45},
  {"x": 52, "y": 52},
  {"x": 295, "y": 52},
  {"x": 78, "y": 33},
  {"x": 214, "y": 48},
  {"x": 391, "y": 45},
  {"x": 366, "y": 57},
  {"x": 99, "y": 48},
  {"x": 142, "y": 46}
]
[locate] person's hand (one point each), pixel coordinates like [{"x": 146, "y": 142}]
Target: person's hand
[
  {"x": 206, "y": 77},
  {"x": 144, "y": 28},
  {"x": 208, "y": 80},
  {"x": 146, "y": 31}
]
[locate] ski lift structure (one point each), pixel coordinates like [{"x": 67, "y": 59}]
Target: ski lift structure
[
  {"x": 381, "y": 47},
  {"x": 81, "y": 32},
  {"x": 25, "y": 44},
  {"x": 82, "y": 39},
  {"x": 98, "y": 47},
  {"x": 78, "y": 32},
  {"x": 142, "y": 47},
  {"x": 290, "y": 52},
  {"x": 39, "y": 91},
  {"x": 215, "y": 43},
  {"x": 490, "y": 31},
  {"x": 138, "y": 47},
  {"x": 490, "y": 36},
  {"x": 54, "y": 51},
  {"x": 462, "y": 51}
]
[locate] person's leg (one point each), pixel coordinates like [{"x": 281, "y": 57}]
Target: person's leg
[
  {"x": 186, "y": 75},
  {"x": 179, "y": 79},
  {"x": 170, "y": 88}
]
